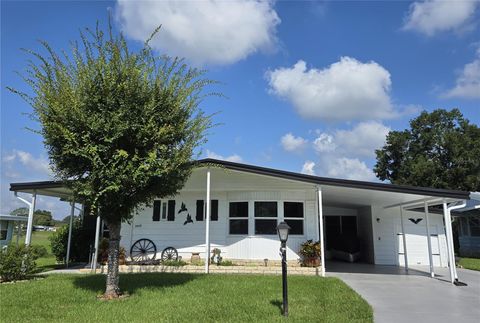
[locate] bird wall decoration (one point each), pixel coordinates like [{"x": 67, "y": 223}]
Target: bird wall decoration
[{"x": 415, "y": 221}]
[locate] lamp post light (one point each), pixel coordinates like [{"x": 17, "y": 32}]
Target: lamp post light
[{"x": 283, "y": 229}]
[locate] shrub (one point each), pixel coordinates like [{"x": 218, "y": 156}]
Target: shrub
[
  {"x": 81, "y": 241},
  {"x": 310, "y": 249},
  {"x": 39, "y": 251},
  {"x": 226, "y": 263},
  {"x": 103, "y": 253},
  {"x": 17, "y": 262},
  {"x": 174, "y": 263}
]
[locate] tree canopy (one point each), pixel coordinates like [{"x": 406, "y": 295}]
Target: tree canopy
[
  {"x": 440, "y": 150},
  {"x": 40, "y": 217},
  {"x": 120, "y": 126}
]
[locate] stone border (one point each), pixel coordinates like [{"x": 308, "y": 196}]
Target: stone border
[{"x": 259, "y": 270}]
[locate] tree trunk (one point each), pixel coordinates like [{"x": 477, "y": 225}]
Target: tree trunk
[{"x": 112, "y": 289}]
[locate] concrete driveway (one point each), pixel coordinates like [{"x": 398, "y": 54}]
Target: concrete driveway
[{"x": 397, "y": 297}]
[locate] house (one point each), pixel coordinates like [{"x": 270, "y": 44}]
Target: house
[
  {"x": 246, "y": 202},
  {"x": 7, "y": 224}
]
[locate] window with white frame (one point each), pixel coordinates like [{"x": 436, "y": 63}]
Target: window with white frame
[
  {"x": 238, "y": 218},
  {"x": 293, "y": 215},
  {"x": 266, "y": 215}
]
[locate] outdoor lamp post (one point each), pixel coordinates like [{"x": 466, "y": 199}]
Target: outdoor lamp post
[{"x": 283, "y": 230}]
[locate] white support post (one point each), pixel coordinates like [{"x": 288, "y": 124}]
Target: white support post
[
  {"x": 70, "y": 225},
  {"x": 429, "y": 240},
  {"x": 320, "y": 221},
  {"x": 405, "y": 256},
  {"x": 28, "y": 236},
  {"x": 448, "y": 227},
  {"x": 207, "y": 225},
  {"x": 97, "y": 238}
]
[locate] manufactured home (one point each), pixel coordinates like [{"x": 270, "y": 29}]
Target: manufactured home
[{"x": 236, "y": 207}]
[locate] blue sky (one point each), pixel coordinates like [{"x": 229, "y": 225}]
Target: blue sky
[{"x": 312, "y": 87}]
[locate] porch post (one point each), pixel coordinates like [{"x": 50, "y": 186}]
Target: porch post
[
  {"x": 429, "y": 240},
  {"x": 69, "y": 242},
  {"x": 405, "y": 256},
  {"x": 320, "y": 228},
  {"x": 97, "y": 238},
  {"x": 207, "y": 225},
  {"x": 28, "y": 236},
  {"x": 448, "y": 227}
]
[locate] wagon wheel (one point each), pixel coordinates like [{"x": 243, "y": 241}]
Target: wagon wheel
[
  {"x": 143, "y": 249},
  {"x": 169, "y": 253}
]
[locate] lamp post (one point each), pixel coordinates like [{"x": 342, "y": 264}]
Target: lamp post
[{"x": 283, "y": 230}]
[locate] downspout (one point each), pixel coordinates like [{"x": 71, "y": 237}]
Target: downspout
[
  {"x": 448, "y": 230},
  {"x": 31, "y": 209}
]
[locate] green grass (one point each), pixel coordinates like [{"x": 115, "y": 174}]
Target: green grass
[
  {"x": 470, "y": 263},
  {"x": 182, "y": 298}
]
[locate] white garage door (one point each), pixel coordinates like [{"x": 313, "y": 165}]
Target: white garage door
[{"x": 417, "y": 247}]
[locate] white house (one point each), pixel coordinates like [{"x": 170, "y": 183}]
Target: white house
[{"x": 246, "y": 202}]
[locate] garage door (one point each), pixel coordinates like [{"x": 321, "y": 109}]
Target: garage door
[{"x": 417, "y": 247}]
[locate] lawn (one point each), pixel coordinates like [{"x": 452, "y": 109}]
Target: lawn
[
  {"x": 470, "y": 263},
  {"x": 157, "y": 297}
]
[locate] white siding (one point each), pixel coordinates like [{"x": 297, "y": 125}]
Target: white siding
[{"x": 388, "y": 244}]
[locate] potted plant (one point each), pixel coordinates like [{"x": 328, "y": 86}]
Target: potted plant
[{"x": 310, "y": 252}]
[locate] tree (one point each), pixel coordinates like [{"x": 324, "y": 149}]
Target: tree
[
  {"x": 120, "y": 126},
  {"x": 40, "y": 217},
  {"x": 441, "y": 150}
]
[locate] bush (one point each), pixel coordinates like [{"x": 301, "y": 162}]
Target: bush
[
  {"x": 103, "y": 253},
  {"x": 310, "y": 249},
  {"x": 81, "y": 241},
  {"x": 174, "y": 263},
  {"x": 17, "y": 262},
  {"x": 39, "y": 251},
  {"x": 226, "y": 263}
]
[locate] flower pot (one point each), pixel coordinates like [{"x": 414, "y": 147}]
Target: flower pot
[{"x": 311, "y": 262}]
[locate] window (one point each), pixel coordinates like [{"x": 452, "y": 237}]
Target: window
[
  {"x": 238, "y": 217},
  {"x": 266, "y": 217},
  {"x": 474, "y": 226},
  {"x": 159, "y": 208},
  {"x": 293, "y": 216},
  {"x": 3, "y": 230},
  {"x": 213, "y": 210}
]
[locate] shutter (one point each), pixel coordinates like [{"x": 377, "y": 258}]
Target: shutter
[
  {"x": 214, "y": 211},
  {"x": 199, "y": 216},
  {"x": 171, "y": 210},
  {"x": 156, "y": 210}
]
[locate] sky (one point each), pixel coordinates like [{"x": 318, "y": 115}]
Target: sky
[{"x": 310, "y": 86}]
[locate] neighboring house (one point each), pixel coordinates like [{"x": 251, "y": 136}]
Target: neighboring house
[
  {"x": 247, "y": 203},
  {"x": 7, "y": 224},
  {"x": 469, "y": 230}
]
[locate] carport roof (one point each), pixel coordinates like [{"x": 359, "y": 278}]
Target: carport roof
[{"x": 58, "y": 189}]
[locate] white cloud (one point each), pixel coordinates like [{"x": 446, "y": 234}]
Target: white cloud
[
  {"x": 218, "y": 32},
  {"x": 433, "y": 16},
  {"x": 293, "y": 144},
  {"x": 39, "y": 165},
  {"x": 324, "y": 143},
  {"x": 308, "y": 168},
  {"x": 344, "y": 91},
  {"x": 350, "y": 168},
  {"x": 360, "y": 141},
  {"x": 233, "y": 158},
  {"x": 467, "y": 84},
  {"x": 363, "y": 139}
]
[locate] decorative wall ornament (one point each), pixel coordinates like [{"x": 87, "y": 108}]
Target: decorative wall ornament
[
  {"x": 182, "y": 208},
  {"x": 415, "y": 221},
  {"x": 188, "y": 220}
]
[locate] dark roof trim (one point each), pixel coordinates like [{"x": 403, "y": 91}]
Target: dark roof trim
[
  {"x": 35, "y": 185},
  {"x": 291, "y": 176},
  {"x": 338, "y": 182}
]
